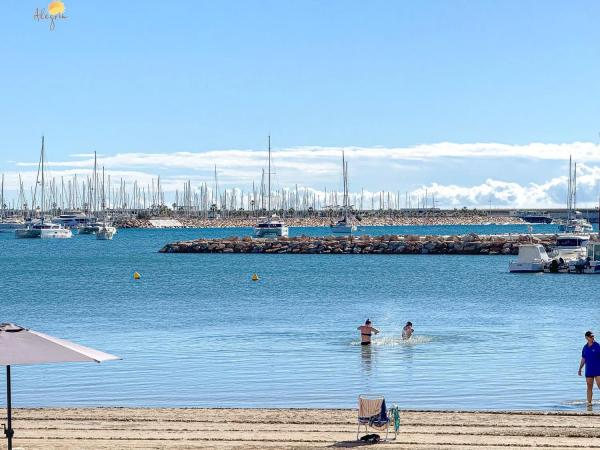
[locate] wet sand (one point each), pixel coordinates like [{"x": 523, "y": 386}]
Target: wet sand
[{"x": 197, "y": 428}]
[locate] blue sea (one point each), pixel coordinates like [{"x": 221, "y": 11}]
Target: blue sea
[{"x": 196, "y": 331}]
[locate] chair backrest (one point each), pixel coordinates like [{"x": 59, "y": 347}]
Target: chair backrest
[{"x": 369, "y": 405}]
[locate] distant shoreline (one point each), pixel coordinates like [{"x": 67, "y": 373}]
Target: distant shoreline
[{"x": 459, "y": 220}]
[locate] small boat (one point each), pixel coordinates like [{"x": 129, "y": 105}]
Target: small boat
[
  {"x": 270, "y": 228},
  {"x": 43, "y": 230},
  {"x": 39, "y": 229},
  {"x": 72, "y": 220},
  {"x": 90, "y": 228},
  {"x": 590, "y": 264},
  {"x": 345, "y": 224},
  {"x": 570, "y": 247},
  {"x": 534, "y": 217},
  {"x": 106, "y": 232},
  {"x": 578, "y": 225},
  {"x": 531, "y": 258},
  {"x": 9, "y": 224}
]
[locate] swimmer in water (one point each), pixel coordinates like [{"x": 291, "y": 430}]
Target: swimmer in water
[
  {"x": 366, "y": 331},
  {"x": 407, "y": 331}
]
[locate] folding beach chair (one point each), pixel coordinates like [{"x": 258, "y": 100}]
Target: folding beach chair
[{"x": 372, "y": 413}]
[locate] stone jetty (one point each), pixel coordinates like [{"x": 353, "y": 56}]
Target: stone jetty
[{"x": 470, "y": 244}]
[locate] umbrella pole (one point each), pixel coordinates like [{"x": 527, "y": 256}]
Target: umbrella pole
[{"x": 8, "y": 431}]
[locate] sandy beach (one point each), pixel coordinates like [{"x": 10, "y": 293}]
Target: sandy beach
[{"x": 194, "y": 428}]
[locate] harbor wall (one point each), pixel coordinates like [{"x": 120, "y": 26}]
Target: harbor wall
[{"x": 470, "y": 244}]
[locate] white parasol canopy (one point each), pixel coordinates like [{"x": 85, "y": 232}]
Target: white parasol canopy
[{"x": 19, "y": 346}]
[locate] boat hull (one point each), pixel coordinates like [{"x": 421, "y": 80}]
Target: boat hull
[
  {"x": 533, "y": 267},
  {"x": 106, "y": 233},
  {"x": 62, "y": 233},
  {"x": 343, "y": 229},
  {"x": 274, "y": 232}
]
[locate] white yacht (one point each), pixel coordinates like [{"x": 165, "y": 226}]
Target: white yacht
[
  {"x": 591, "y": 264},
  {"x": 41, "y": 229},
  {"x": 271, "y": 226},
  {"x": 90, "y": 228},
  {"x": 578, "y": 225},
  {"x": 570, "y": 247},
  {"x": 345, "y": 224},
  {"x": 9, "y": 224},
  {"x": 531, "y": 258},
  {"x": 71, "y": 220},
  {"x": 106, "y": 232}
]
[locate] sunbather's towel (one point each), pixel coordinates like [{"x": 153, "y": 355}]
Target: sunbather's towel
[
  {"x": 370, "y": 407},
  {"x": 381, "y": 418}
]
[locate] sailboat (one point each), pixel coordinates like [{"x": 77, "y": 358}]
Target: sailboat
[
  {"x": 42, "y": 229},
  {"x": 270, "y": 226},
  {"x": 574, "y": 222},
  {"x": 105, "y": 231},
  {"x": 91, "y": 225},
  {"x": 345, "y": 224},
  {"x": 7, "y": 223}
]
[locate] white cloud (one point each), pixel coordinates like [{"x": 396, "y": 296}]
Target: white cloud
[{"x": 373, "y": 167}]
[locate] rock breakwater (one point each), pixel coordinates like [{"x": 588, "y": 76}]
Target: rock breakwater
[{"x": 470, "y": 244}]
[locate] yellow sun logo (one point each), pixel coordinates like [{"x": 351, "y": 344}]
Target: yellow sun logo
[{"x": 56, "y": 7}]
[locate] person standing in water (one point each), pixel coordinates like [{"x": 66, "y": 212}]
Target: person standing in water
[
  {"x": 366, "y": 331},
  {"x": 590, "y": 358},
  {"x": 407, "y": 331}
]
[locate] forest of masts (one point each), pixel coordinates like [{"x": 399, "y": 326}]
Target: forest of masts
[{"x": 95, "y": 193}]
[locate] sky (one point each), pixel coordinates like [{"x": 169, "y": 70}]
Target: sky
[{"x": 478, "y": 102}]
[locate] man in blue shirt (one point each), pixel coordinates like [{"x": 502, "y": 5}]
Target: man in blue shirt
[{"x": 590, "y": 357}]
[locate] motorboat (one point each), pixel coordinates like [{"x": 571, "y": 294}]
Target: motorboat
[
  {"x": 10, "y": 224},
  {"x": 578, "y": 225},
  {"x": 590, "y": 264},
  {"x": 73, "y": 220},
  {"x": 531, "y": 258},
  {"x": 273, "y": 226},
  {"x": 106, "y": 232},
  {"x": 534, "y": 217},
  {"x": 43, "y": 230},
  {"x": 270, "y": 228},
  {"x": 570, "y": 247},
  {"x": 90, "y": 228}
]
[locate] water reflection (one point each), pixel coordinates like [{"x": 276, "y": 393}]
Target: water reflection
[{"x": 366, "y": 357}]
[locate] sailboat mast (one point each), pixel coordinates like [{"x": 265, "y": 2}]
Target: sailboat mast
[
  {"x": 575, "y": 188},
  {"x": 269, "y": 182},
  {"x": 2, "y": 200},
  {"x": 345, "y": 187},
  {"x": 43, "y": 182},
  {"x": 569, "y": 190}
]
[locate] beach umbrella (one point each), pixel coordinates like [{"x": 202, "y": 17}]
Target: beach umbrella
[{"x": 20, "y": 346}]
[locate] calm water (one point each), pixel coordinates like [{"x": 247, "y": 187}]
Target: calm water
[{"x": 195, "y": 331}]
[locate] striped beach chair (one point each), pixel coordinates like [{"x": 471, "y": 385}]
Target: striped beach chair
[{"x": 373, "y": 413}]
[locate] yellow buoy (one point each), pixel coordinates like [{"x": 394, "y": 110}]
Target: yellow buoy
[
  {"x": 136, "y": 275},
  {"x": 255, "y": 277}
]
